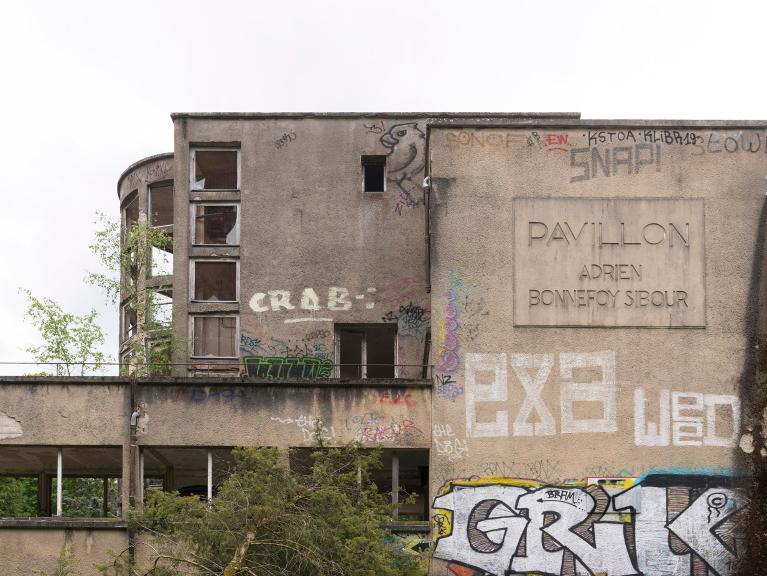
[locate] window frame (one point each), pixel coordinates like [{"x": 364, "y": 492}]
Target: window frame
[
  {"x": 192, "y": 288},
  {"x": 193, "y": 165},
  {"x": 192, "y": 318},
  {"x": 193, "y": 220},
  {"x": 380, "y": 158},
  {"x": 339, "y": 327},
  {"x": 161, "y": 184}
]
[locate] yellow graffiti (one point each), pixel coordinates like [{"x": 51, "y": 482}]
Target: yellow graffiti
[{"x": 442, "y": 520}]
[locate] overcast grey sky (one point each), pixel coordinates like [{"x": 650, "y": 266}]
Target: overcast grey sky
[{"x": 88, "y": 87}]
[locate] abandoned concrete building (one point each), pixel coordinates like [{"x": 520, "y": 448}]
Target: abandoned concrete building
[{"x": 550, "y": 325}]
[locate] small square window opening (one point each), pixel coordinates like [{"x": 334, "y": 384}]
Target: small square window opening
[
  {"x": 214, "y": 336},
  {"x": 215, "y": 170},
  {"x": 216, "y": 224},
  {"x": 214, "y": 281},
  {"x": 366, "y": 350},
  {"x": 373, "y": 173}
]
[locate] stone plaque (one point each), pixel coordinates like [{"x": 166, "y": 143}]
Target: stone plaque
[{"x": 609, "y": 262}]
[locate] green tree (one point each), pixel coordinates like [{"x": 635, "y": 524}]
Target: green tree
[
  {"x": 18, "y": 496},
  {"x": 126, "y": 260},
  {"x": 69, "y": 341},
  {"x": 267, "y": 520}
]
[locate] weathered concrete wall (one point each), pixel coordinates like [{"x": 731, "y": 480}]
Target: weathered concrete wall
[
  {"x": 285, "y": 415},
  {"x": 24, "y": 550},
  {"x": 309, "y": 237},
  {"x": 584, "y": 393},
  {"x": 64, "y": 412}
]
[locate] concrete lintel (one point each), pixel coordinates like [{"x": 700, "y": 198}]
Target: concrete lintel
[{"x": 353, "y": 115}]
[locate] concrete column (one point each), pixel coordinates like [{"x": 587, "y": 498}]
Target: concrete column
[
  {"x": 59, "y": 478},
  {"x": 395, "y": 485},
  {"x": 210, "y": 476}
]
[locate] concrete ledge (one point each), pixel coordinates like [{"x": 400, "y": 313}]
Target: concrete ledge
[
  {"x": 66, "y": 523},
  {"x": 218, "y": 381}
]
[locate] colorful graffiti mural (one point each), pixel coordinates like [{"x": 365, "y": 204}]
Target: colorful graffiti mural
[{"x": 658, "y": 525}]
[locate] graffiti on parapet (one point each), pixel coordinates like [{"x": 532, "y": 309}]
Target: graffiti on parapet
[
  {"x": 284, "y": 140},
  {"x": 152, "y": 173},
  {"x": 288, "y": 367},
  {"x": 376, "y": 428},
  {"x": 598, "y": 162},
  {"x": 394, "y": 398},
  {"x": 485, "y": 138},
  {"x": 375, "y": 127},
  {"x": 405, "y": 162},
  {"x": 557, "y": 142},
  {"x": 312, "y": 427},
  {"x": 663, "y": 524}
]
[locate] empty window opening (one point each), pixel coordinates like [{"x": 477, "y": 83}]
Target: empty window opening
[
  {"x": 366, "y": 350},
  {"x": 161, "y": 262},
  {"x": 130, "y": 213},
  {"x": 214, "y": 281},
  {"x": 65, "y": 481},
  {"x": 129, "y": 322},
  {"x": 373, "y": 173},
  {"x": 215, "y": 170},
  {"x": 216, "y": 224},
  {"x": 189, "y": 471},
  {"x": 404, "y": 475},
  {"x": 161, "y": 206},
  {"x": 18, "y": 496},
  {"x": 214, "y": 336},
  {"x": 160, "y": 307}
]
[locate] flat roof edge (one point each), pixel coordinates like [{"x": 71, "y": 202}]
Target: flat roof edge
[
  {"x": 341, "y": 115},
  {"x": 603, "y": 123},
  {"x": 139, "y": 163}
]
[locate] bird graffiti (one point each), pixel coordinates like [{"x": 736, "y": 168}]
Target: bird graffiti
[{"x": 405, "y": 161}]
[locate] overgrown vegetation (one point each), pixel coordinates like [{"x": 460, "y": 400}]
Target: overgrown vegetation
[
  {"x": 126, "y": 256},
  {"x": 267, "y": 520},
  {"x": 18, "y": 497},
  {"x": 70, "y": 342}
]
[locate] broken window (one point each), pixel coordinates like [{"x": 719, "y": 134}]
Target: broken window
[
  {"x": 366, "y": 350},
  {"x": 161, "y": 206},
  {"x": 373, "y": 173},
  {"x": 216, "y": 224},
  {"x": 215, "y": 170},
  {"x": 214, "y": 336},
  {"x": 214, "y": 281},
  {"x": 129, "y": 322}
]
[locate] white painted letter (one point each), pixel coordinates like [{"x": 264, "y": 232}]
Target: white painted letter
[
  {"x": 310, "y": 300},
  {"x": 338, "y": 299},
  {"x": 650, "y": 433},
  {"x": 496, "y": 391},
  {"x": 533, "y": 388},
  {"x": 602, "y": 391}
]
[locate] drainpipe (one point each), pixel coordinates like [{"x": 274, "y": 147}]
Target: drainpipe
[{"x": 133, "y": 465}]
